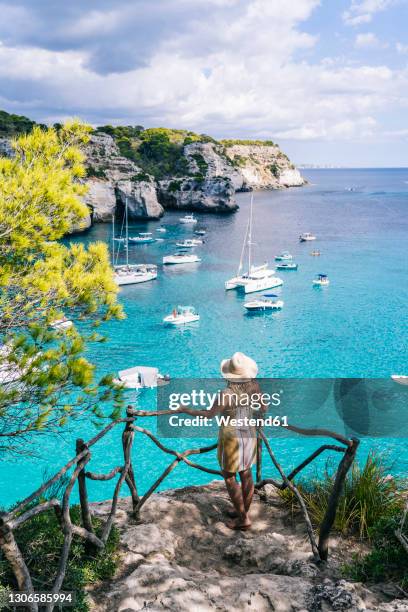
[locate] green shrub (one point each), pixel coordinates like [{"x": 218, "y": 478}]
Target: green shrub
[
  {"x": 368, "y": 496},
  {"x": 12, "y": 125},
  {"x": 388, "y": 560},
  {"x": 40, "y": 540}
]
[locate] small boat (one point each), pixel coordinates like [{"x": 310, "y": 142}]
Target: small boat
[
  {"x": 284, "y": 256},
  {"x": 119, "y": 239},
  {"x": 62, "y": 323},
  {"x": 189, "y": 243},
  {"x": 142, "y": 238},
  {"x": 161, "y": 229},
  {"x": 306, "y": 237},
  {"x": 269, "y": 301},
  {"x": 182, "y": 315},
  {"x": 315, "y": 253},
  {"x": 133, "y": 274},
  {"x": 140, "y": 377},
  {"x": 181, "y": 258},
  {"x": 290, "y": 265},
  {"x": 321, "y": 280},
  {"x": 200, "y": 232},
  {"x": 401, "y": 379},
  {"x": 189, "y": 219}
]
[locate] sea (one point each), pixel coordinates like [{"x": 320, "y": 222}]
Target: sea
[{"x": 355, "y": 328}]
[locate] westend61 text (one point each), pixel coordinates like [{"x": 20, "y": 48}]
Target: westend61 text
[{"x": 227, "y": 421}]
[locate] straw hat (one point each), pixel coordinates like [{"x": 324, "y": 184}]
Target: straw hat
[{"x": 239, "y": 366}]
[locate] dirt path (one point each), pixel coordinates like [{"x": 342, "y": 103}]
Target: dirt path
[{"x": 183, "y": 558}]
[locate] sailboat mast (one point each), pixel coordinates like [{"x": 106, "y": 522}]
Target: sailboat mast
[
  {"x": 250, "y": 235},
  {"x": 127, "y": 233},
  {"x": 113, "y": 238}
]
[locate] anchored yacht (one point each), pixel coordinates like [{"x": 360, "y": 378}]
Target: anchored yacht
[
  {"x": 257, "y": 278},
  {"x": 130, "y": 274}
]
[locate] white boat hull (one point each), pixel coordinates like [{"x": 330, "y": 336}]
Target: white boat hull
[
  {"x": 270, "y": 282},
  {"x": 260, "y": 305},
  {"x": 172, "y": 260},
  {"x": 134, "y": 279},
  {"x": 181, "y": 319}
]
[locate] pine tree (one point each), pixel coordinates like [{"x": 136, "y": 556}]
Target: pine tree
[{"x": 45, "y": 380}]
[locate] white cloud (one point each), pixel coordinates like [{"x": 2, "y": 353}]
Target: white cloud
[
  {"x": 368, "y": 39},
  {"x": 401, "y": 48},
  {"x": 244, "y": 73},
  {"x": 362, "y": 11}
]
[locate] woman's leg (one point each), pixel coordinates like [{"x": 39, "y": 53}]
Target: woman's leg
[
  {"x": 236, "y": 495},
  {"x": 247, "y": 488}
]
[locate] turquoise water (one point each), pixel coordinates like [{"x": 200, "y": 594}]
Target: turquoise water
[{"x": 355, "y": 328}]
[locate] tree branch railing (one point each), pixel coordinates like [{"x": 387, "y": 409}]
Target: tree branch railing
[{"x": 37, "y": 503}]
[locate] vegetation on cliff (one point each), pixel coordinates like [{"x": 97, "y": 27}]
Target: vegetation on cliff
[
  {"x": 12, "y": 125},
  {"x": 158, "y": 151}
]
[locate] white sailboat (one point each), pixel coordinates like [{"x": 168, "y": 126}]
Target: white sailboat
[
  {"x": 257, "y": 278},
  {"x": 130, "y": 274}
]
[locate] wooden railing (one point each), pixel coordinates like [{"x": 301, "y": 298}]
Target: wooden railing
[{"x": 24, "y": 511}]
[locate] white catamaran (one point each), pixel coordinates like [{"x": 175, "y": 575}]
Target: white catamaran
[
  {"x": 257, "y": 278},
  {"x": 130, "y": 274}
]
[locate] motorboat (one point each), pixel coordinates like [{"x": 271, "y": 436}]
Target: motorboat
[
  {"x": 140, "y": 377},
  {"x": 61, "y": 324},
  {"x": 182, "y": 315},
  {"x": 161, "y": 229},
  {"x": 401, "y": 379},
  {"x": 257, "y": 278},
  {"x": 287, "y": 265},
  {"x": 200, "y": 232},
  {"x": 306, "y": 237},
  {"x": 284, "y": 256},
  {"x": 321, "y": 280},
  {"x": 181, "y": 258},
  {"x": 315, "y": 253},
  {"x": 269, "y": 301},
  {"x": 189, "y": 219},
  {"x": 132, "y": 274},
  {"x": 142, "y": 238},
  {"x": 189, "y": 243}
]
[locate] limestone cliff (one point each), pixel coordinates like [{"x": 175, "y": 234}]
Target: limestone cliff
[
  {"x": 264, "y": 167},
  {"x": 205, "y": 177},
  {"x": 113, "y": 178}
]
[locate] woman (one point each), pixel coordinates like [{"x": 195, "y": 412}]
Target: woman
[{"x": 236, "y": 442}]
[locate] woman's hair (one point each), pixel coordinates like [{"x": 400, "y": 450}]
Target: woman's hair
[{"x": 246, "y": 386}]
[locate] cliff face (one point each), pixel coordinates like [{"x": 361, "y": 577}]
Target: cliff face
[
  {"x": 211, "y": 174},
  {"x": 113, "y": 178},
  {"x": 264, "y": 167}
]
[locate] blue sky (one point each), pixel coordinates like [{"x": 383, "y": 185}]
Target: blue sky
[{"x": 328, "y": 80}]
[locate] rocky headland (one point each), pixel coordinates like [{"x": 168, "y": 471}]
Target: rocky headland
[
  {"x": 156, "y": 169},
  {"x": 213, "y": 173},
  {"x": 181, "y": 557}
]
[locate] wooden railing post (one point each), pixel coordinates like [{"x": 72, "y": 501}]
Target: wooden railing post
[
  {"x": 327, "y": 523},
  {"x": 13, "y": 555},
  {"x": 127, "y": 442},
  {"x": 259, "y": 458},
  {"x": 83, "y": 494}
]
